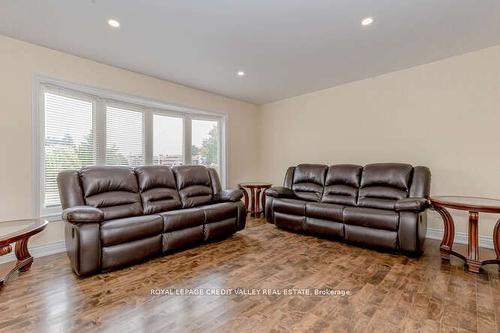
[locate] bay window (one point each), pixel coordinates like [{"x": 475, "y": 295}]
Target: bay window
[{"x": 80, "y": 126}]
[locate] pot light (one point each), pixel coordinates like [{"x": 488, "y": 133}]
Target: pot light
[
  {"x": 241, "y": 73},
  {"x": 367, "y": 21},
  {"x": 113, "y": 23}
]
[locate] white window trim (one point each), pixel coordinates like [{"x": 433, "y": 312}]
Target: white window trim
[{"x": 146, "y": 105}]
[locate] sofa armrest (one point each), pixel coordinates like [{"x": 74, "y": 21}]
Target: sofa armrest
[
  {"x": 83, "y": 214},
  {"x": 230, "y": 195},
  {"x": 412, "y": 204},
  {"x": 279, "y": 192}
]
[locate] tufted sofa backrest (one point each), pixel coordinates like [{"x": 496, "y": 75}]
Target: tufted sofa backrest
[
  {"x": 377, "y": 185},
  {"x": 194, "y": 185},
  {"x": 342, "y": 184},
  {"x": 308, "y": 181},
  {"x": 124, "y": 192},
  {"x": 114, "y": 190},
  {"x": 382, "y": 184},
  {"x": 158, "y": 189}
]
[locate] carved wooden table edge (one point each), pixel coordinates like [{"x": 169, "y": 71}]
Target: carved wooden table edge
[
  {"x": 257, "y": 197},
  {"x": 24, "y": 258},
  {"x": 472, "y": 259}
]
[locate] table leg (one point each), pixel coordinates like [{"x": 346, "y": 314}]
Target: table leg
[
  {"x": 496, "y": 245},
  {"x": 496, "y": 241},
  {"x": 252, "y": 195},
  {"x": 473, "y": 246},
  {"x": 257, "y": 202},
  {"x": 24, "y": 258},
  {"x": 449, "y": 233},
  {"x": 5, "y": 250},
  {"x": 263, "y": 203}
]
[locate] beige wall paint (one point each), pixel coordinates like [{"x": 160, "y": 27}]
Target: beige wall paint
[
  {"x": 20, "y": 62},
  {"x": 445, "y": 115}
]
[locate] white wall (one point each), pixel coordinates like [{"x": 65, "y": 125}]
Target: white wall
[
  {"x": 444, "y": 115},
  {"x": 20, "y": 62}
]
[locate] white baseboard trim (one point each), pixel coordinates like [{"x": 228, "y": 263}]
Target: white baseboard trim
[
  {"x": 460, "y": 238},
  {"x": 38, "y": 251}
]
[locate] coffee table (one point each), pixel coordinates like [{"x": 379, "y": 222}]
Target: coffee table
[
  {"x": 474, "y": 206},
  {"x": 257, "y": 198},
  {"x": 23, "y": 230}
]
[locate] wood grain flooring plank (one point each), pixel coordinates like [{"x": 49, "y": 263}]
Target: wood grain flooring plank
[{"x": 388, "y": 292}]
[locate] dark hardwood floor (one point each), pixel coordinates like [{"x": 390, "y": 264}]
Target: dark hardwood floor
[{"x": 388, "y": 293}]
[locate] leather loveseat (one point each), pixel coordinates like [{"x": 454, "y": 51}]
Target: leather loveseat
[
  {"x": 118, "y": 215},
  {"x": 380, "y": 205}
]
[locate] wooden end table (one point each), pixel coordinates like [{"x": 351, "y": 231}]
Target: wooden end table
[
  {"x": 256, "y": 203},
  {"x": 474, "y": 206},
  {"x": 27, "y": 228}
]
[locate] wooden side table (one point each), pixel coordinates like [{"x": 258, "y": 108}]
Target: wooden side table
[
  {"x": 474, "y": 206},
  {"x": 255, "y": 206},
  {"x": 21, "y": 238}
]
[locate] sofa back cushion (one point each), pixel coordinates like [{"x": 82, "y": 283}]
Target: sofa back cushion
[
  {"x": 158, "y": 189},
  {"x": 421, "y": 182},
  {"x": 342, "y": 184},
  {"x": 308, "y": 181},
  {"x": 382, "y": 184},
  {"x": 114, "y": 190},
  {"x": 193, "y": 184}
]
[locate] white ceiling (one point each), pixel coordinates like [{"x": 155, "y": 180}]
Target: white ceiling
[{"x": 286, "y": 47}]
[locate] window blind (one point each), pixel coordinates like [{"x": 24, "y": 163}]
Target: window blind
[
  {"x": 80, "y": 128},
  {"x": 69, "y": 139},
  {"x": 124, "y": 137}
]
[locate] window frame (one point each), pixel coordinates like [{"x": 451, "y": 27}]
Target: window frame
[{"x": 101, "y": 98}]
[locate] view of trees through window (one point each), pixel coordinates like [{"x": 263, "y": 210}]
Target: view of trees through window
[{"x": 205, "y": 143}]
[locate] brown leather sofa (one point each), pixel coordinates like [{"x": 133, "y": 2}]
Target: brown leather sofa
[
  {"x": 118, "y": 215},
  {"x": 380, "y": 205}
]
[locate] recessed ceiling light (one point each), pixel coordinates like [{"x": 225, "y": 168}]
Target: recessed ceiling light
[
  {"x": 241, "y": 73},
  {"x": 367, "y": 21},
  {"x": 113, "y": 23}
]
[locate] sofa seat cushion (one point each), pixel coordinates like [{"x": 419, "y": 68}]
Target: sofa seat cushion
[
  {"x": 290, "y": 206},
  {"x": 324, "y": 211},
  {"x": 371, "y": 217},
  {"x": 220, "y": 229},
  {"x": 220, "y": 211},
  {"x": 123, "y": 254},
  {"x": 130, "y": 228},
  {"x": 371, "y": 237},
  {"x": 288, "y": 221},
  {"x": 322, "y": 227},
  {"x": 182, "y": 238},
  {"x": 182, "y": 219}
]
